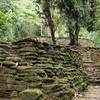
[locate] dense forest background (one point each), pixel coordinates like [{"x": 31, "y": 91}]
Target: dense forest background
[{"x": 26, "y": 18}]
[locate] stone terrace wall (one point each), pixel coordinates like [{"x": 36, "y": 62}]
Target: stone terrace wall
[{"x": 30, "y": 70}]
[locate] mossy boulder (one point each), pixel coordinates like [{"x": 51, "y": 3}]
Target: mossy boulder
[
  {"x": 31, "y": 94},
  {"x": 8, "y": 63},
  {"x": 14, "y": 94}
]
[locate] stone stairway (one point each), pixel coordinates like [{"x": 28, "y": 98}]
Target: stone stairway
[
  {"x": 93, "y": 72},
  {"x": 91, "y": 63},
  {"x": 93, "y": 90},
  {"x": 92, "y": 93}
]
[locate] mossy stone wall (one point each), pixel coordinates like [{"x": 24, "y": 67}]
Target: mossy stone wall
[{"x": 30, "y": 70}]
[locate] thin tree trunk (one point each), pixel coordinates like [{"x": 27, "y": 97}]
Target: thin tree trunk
[
  {"x": 71, "y": 37},
  {"x": 46, "y": 10},
  {"x": 71, "y": 29},
  {"x": 52, "y": 34},
  {"x": 73, "y": 34},
  {"x": 77, "y": 30}
]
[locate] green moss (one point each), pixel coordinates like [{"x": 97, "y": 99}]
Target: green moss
[
  {"x": 28, "y": 53},
  {"x": 3, "y": 52},
  {"x": 14, "y": 94},
  {"x": 36, "y": 90},
  {"x": 31, "y": 78},
  {"x": 48, "y": 81},
  {"x": 15, "y": 98},
  {"x": 10, "y": 80},
  {"x": 3, "y": 55},
  {"x": 44, "y": 72},
  {"x": 27, "y": 49},
  {"x": 20, "y": 87},
  {"x": 64, "y": 95},
  {"x": 14, "y": 72},
  {"x": 47, "y": 65},
  {"x": 8, "y": 63},
  {"x": 31, "y": 94},
  {"x": 40, "y": 51}
]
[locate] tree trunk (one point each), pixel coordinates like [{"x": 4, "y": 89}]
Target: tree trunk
[
  {"x": 71, "y": 37},
  {"x": 47, "y": 13},
  {"x": 73, "y": 34},
  {"x": 52, "y": 35},
  {"x": 77, "y": 30}
]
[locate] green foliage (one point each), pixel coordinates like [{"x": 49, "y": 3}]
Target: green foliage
[
  {"x": 95, "y": 36},
  {"x": 75, "y": 13},
  {"x": 18, "y": 19},
  {"x": 22, "y": 18},
  {"x": 5, "y": 26}
]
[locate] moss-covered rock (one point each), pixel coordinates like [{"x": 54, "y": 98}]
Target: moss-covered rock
[
  {"x": 14, "y": 94},
  {"x": 8, "y": 63},
  {"x": 31, "y": 94}
]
